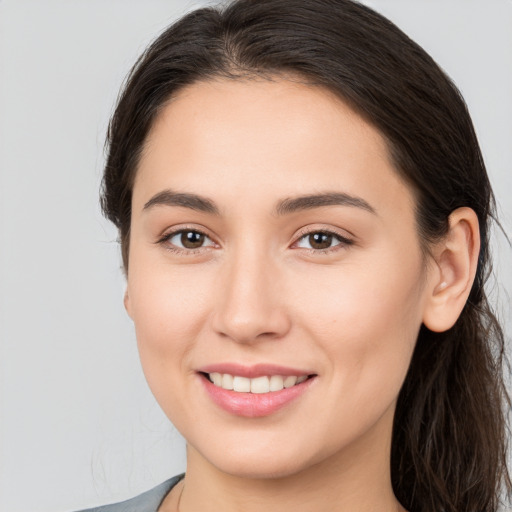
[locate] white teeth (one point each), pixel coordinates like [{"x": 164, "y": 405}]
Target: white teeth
[
  {"x": 241, "y": 384},
  {"x": 257, "y": 385},
  {"x": 260, "y": 385},
  {"x": 276, "y": 383},
  {"x": 290, "y": 381},
  {"x": 227, "y": 381},
  {"x": 216, "y": 378}
]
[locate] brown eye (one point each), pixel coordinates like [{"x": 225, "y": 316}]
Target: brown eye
[
  {"x": 189, "y": 239},
  {"x": 320, "y": 240}
]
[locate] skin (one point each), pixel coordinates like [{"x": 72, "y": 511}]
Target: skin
[{"x": 258, "y": 291}]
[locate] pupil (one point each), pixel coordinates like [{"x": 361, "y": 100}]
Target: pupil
[
  {"x": 192, "y": 239},
  {"x": 320, "y": 240}
]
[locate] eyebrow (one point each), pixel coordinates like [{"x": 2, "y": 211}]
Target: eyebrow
[
  {"x": 284, "y": 207},
  {"x": 294, "y": 204},
  {"x": 192, "y": 201}
]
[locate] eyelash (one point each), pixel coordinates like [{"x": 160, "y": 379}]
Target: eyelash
[
  {"x": 344, "y": 242},
  {"x": 165, "y": 241}
]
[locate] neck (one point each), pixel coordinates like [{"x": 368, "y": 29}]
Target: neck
[{"x": 355, "y": 479}]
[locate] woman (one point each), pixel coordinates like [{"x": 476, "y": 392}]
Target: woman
[{"x": 304, "y": 214}]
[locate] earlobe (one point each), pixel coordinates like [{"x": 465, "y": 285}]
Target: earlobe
[{"x": 455, "y": 261}]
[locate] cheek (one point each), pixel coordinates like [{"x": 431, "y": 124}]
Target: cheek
[
  {"x": 167, "y": 301},
  {"x": 368, "y": 295},
  {"x": 169, "y": 310},
  {"x": 366, "y": 317}
]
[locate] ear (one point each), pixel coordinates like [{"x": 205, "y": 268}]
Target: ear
[
  {"x": 454, "y": 268},
  {"x": 127, "y": 303}
]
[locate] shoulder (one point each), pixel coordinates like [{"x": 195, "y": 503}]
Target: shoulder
[{"x": 148, "y": 501}]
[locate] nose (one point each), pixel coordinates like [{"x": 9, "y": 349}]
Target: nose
[{"x": 251, "y": 305}]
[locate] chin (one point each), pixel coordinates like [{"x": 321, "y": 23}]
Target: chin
[
  {"x": 260, "y": 469},
  {"x": 258, "y": 461}
]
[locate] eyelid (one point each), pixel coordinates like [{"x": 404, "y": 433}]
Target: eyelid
[
  {"x": 341, "y": 235},
  {"x": 169, "y": 233}
]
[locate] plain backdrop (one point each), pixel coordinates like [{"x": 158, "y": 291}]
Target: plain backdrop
[{"x": 78, "y": 425}]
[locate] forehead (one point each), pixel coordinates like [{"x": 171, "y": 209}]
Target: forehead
[{"x": 276, "y": 138}]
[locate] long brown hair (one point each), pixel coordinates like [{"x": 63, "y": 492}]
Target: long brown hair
[{"x": 449, "y": 439}]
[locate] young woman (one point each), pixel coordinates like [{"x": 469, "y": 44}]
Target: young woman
[{"x": 304, "y": 218}]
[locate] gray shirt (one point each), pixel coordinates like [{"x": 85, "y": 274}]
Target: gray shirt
[{"x": 148, "y": 501}]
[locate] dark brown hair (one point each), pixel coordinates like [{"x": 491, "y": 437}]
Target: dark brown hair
[{"x": 449, "y": 439}]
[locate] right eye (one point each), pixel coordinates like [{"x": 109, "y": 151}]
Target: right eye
[{"x": 187, "y": 239}]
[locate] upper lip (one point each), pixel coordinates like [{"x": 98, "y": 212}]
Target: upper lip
[{"x": 253, "y": 371}]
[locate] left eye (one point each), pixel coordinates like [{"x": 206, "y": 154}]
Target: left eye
[
  {"x": 321, "y": 240},
  {"x": 189, "y": 239}
]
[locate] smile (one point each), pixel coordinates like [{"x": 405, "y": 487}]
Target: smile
[
  {"x": 256, "y": 391},
  {"x": 259, "y": 385}
]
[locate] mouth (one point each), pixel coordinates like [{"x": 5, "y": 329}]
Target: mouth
[
  {"x": 256, "y": 391},
  {"x": 257, "y": 385}
]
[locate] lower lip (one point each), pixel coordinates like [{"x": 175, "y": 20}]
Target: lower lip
[{"x": 254, "y": 405}]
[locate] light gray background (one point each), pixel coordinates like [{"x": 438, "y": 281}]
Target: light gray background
[{"x": 78, "y": 426}]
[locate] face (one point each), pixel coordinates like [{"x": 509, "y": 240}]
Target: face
[{"x": 272, "y": 239}]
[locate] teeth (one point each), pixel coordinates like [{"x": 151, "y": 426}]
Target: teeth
[
  {"x": 290, "y": 381},
  {"x": 241, "y": 384},
  {"x": 227, "y": 381},
  {"x": 257, "y": 385},
  {"x": 216, "y": 378},
  {"x": 260, "y": 385},
  {"x": 276, "y": 383}
]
